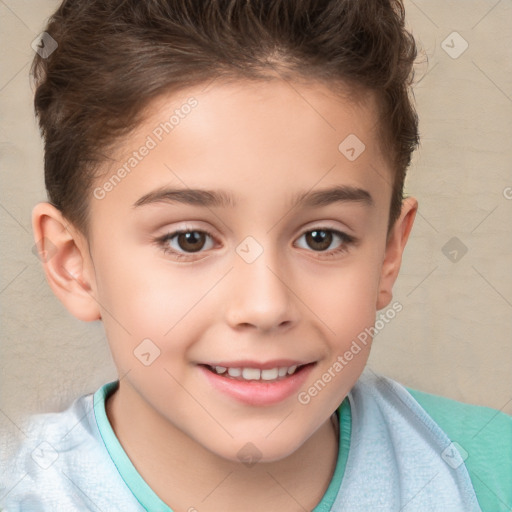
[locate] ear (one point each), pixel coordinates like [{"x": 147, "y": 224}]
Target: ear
[
  {"x": 395, "y": 245},
  {"x": 64, "y": 252}
]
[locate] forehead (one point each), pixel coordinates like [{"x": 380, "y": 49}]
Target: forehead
[
  {"x": 279, "y": 111},
  {"x": 253, "y": 140}
]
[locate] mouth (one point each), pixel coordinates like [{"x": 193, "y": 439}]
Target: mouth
[
  {"x": 257, "y": 384},
  {"x": 248, "y": 373}
]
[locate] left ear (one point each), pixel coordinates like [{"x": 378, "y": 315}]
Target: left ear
[{"x": 394, "y": 248}]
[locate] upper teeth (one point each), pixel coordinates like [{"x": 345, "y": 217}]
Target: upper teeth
[{"x": 256, "y": 373}]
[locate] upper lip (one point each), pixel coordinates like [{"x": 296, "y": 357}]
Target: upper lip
[{"x": 246, "y": 363}]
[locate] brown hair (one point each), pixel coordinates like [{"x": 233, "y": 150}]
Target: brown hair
[{"x": 115, "y": 56}]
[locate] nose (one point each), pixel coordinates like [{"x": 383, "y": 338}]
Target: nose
[{"x": 261, "y": 294}]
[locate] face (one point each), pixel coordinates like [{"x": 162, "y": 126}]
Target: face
[{"x": 237, "y": 258}]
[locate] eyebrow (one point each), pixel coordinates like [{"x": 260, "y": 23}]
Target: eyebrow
[{"x": 219, "y": 198}]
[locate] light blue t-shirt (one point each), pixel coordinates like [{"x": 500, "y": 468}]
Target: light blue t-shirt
[{"x": 392, "y": 457}]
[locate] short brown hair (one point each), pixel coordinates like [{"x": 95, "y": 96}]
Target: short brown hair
[{"x": 115, "y": 56}]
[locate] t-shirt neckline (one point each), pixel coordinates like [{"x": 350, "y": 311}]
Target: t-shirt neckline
[{"x": 150, "y": 501}]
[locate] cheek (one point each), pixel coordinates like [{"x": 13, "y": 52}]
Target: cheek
[
  {"x": 347, "y": 314},
  {"x": 146, "y": 298},
  {"x": 346, "y": 297},
  {"x": 139, "y": 290}
]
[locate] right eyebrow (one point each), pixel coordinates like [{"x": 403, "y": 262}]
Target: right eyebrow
[{"x": 195, "y": 197}]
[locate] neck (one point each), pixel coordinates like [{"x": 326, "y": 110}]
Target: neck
[{"x": 162, "y": 455}]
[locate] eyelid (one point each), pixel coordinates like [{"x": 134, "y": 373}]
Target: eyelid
[
  {"x": 327, "y": 225},
  {"x": 346, "y": 240},
  {"x": 171, "y": 234}
]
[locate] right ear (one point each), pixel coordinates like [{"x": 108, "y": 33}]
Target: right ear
[{"x": 64, "y": 253}]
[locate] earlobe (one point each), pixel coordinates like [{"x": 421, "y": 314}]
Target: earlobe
[
  {"x": 63, "y": 253},
  {"x": 394, "y": 249}
]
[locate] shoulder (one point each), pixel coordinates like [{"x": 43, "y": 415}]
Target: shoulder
[
  {"x": 473, "y": 437},
  {"x": 55, "y": 432},
  {"x": 62, "y": 464},
  {"x": 483, "y": 437},
  {"x": 38, "y": 468},
  {"x": 472, "y": 422}
]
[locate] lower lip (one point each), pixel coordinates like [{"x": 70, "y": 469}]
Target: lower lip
[{"x": 258, "y": 392}]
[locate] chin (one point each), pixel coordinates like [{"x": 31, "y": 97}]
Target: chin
[{"x": 259, "y": 449}]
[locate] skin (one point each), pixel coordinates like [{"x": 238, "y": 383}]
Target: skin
[{"x": 262, "y": 143}]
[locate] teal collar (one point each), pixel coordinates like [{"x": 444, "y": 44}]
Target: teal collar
[{"x": 148, "y": 498}]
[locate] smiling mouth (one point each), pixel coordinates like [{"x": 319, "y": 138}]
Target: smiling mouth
[{"x": 256, "y": 374}]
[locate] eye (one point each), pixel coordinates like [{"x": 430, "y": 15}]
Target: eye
[
  {"x": 321, "y": 239},
  {"x": 184, "y": 242}
]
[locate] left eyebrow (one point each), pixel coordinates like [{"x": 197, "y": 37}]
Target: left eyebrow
[
  {"x": 325, "y": 197},
  {"x": 220, "y": 198}
]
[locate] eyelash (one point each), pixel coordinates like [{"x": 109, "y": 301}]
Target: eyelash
[{"x": 162, "y": 242}]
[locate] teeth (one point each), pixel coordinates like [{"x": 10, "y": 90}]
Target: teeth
[
  {"x": 251, "y": 374},
  {"x": 269, "y": 374},
  {"x": 256, "y": 373},
  {"x": 235, "y": 372},
  {"x": 282, "y": 371},
  {"x": 291, "y": 370}
]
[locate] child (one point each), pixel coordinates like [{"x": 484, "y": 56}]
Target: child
[{"x": 253, "y": 130}]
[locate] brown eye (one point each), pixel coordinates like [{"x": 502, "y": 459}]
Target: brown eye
[
  {"x": 319, "y": 240},
  {"x": 181, "y": 244},
  {"x": 191, "y": 241}
]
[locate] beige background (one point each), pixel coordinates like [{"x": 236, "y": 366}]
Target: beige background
[{"x": 452, "y": 337}]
